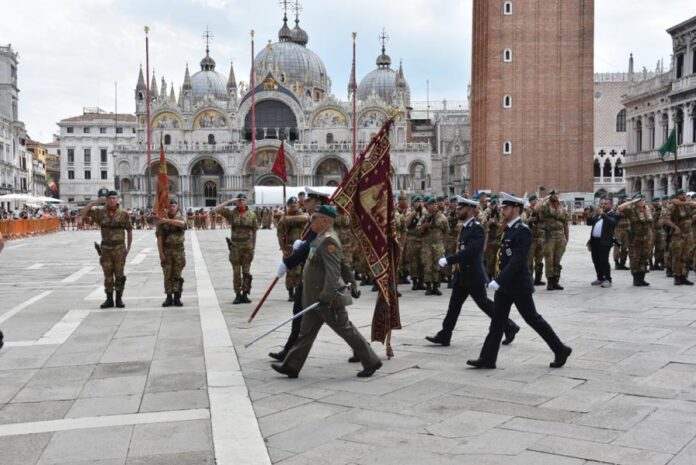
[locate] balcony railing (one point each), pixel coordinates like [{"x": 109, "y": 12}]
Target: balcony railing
[
  {"x": 240, "y": 146},
  {"x": 685, "y": 83}
]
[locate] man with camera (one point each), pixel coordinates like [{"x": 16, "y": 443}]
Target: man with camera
[{"x": 603, "y": 221}]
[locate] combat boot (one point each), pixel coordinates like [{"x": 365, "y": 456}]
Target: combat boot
[
  {"x": 636, "y": 280},
  {"x": 429, "y": 289},
  {"x": 421, "y": 286},
  {"x": 549, "y": 283},
  {"x": 237, "y": 298},
  {"x": 403, "y": 279},
  {"x": 168, "y": 301},
  {"x": 537, "y": 279},
  {"x": 669, "y": 273},
  {"x": 119, "y": 300},
  {"x": 556, "y": 286},
  {"x": 177, "y": 299},
  {"x": 291, "y": 295},
  {"x": 436, "y": 289},
  {"x": 641, "y": 279},
  {"x": 449, "y": 282},
  {"x": 415, "y": 284},
  {"x": 245, "y": 298},
  {"x": 109, "y": 302},
  {"x": 686, "y": 281}
]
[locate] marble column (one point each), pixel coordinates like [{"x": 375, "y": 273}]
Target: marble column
[{"x": 670, "y": 184}]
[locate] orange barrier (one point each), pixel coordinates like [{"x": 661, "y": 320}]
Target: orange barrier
[{"x": 14, "y": 229}]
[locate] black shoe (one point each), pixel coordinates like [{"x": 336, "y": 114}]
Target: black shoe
[
  {"x": 177, "y": 300},
  {"x": 237, "y": 299},
  {"x": 168, "y": 301},
  {"x": 669, "y": 273},
  {"x": 1, "y": 340},
  {"x": 375, "y": 288},
  {"x": 677, "y": 281},
  {"x": 353, "y": 359},
  {"x": 291, "y": 295},
  {"x": 438, "y": 339},
  {"x": 119, "y": 300},
  {"x": 367, "y": 372},
  {"x": 556, "y": 286},
  {"x": 549, "y": 284},
  {"x": 109, "y": 302},
  {"x": 480, "y": 363},
  {"x": 510, "y": 335},
  {"x": 636, "y": 281},
  {"x": 283, "y": 370},
  {"x": 686, "y": 281},
  {"x": 537, "y": 280},
  {"x": 641, "y": 279},
  {"x": 561, "y": 357},
  {"x": 280, "y": 356},
  {"x": 429, "y": 289},
  {"x": 421, "y": 287},
  {"x": 436, "y": 289},
  {"x": 245, "y": 298},
  {"x": 415, "y": 284}
]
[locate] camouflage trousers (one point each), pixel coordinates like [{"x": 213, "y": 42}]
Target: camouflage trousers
[
  {"x": 413, "y": 257},
  {"x": 639, "y": 252},
  {"x": 554, "y": 248},
  {"x": 240, "y": 258},
  {"x": 621, "y": 251},
  {"x": 490, "y": 256},
  {"x": 293, "y": 278},
  {"x": 536, "y": 256},
  {"x": 172, "y": 266},
  {"x": 112, "y": 261},
  {"x": 681, "y": 249},
  {"x": 430, "y": 254},
  {"x": 450, "y": 249},
  {"x": 348, "y": 251},
  {"x": 668, "y": 251},
  {"x": 659, "y": 248}
]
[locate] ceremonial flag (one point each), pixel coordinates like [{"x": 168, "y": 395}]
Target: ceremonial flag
[
  {"x": 365, "y": 194},
  {"x": 279, "y": 164},
  {"x": 162, "y": 201},
  {"x": 670, "y": 145}
]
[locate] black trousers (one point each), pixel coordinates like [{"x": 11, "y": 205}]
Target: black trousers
[
  {"x": 525, "y": 305},
  {"x": 295, "y": 328},
  {"x": 459, "y": 295},
  {"x": 600, "y": 259}
]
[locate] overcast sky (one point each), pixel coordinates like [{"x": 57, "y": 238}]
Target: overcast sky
[{"x": 73, "y": 51}]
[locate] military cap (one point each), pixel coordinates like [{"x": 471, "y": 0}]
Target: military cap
[
  {"x": 511, "y": 200},
  {"x": 301, "y": 194},
  {"x": 533, "y": 197},
  {"x": 430, "y": 200},
  {"x": 656, "y": 198},
  {"x": 241, "y": 195},
  {"x": 440, "y": 198},
  {"x": 665, "y": 197},
  {"x": 680, "y": 191},
  {"x": 110, "y": 193},
  {"x": 464, "y": 202},
  {"x": 173, "y": 202},
  {"x": 103, "y": 192},
  {"x": 552, "y": 192},
  {"x": 315, "y": 194},
  {"x": 638, "y": 195},
  {"x": 622, "y": 195},
  {"x": 454, "y": 198},
  {"x": 326, "y": 210},
  {"x": 416, "y": 198},
  {"x": 673, "y": 196},
  {"x": 291, "y": 200}
]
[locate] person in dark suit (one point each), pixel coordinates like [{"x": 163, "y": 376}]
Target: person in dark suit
[
  {"x": 603, "y": 221},
  {"x": 470, "y": 276},
  {"x": 514, "y": 285}
]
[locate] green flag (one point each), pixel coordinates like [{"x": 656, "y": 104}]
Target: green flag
[{"x": 670, "y": 145}]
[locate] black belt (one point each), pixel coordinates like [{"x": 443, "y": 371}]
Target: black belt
[{"x": 112, "y": 243}]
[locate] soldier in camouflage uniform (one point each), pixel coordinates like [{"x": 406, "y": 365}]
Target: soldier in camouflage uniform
[
  {"x": 433, "y": 229},
  {"x": 665, "y": 214},
  {"x": 555, "y": 220},
  {"x": 536, "y": 252},
  {"x": 402, "y": 233},
  {"x": 170, "y": 235},
  {"x": 640, "y": 237},
  {"x": 681, "y": 217},
  {"x": 117, "y": 236},
  {"x": 243, "y": 227},
  {"x": 658, "y": 255},
  {"x": 414, "y": 243},
  {"x": 491, "y": 225},
  {"x": 621, "y": 235},
  {"x": 289, "y": 229},
  {"x": 452, "y": 238}
]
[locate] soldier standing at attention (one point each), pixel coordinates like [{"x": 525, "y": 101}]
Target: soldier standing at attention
[
  {"x": 513, "y": 285},
  {"x": 451, "y": 241},
  {"x": 469, "y": 277},
  {"x": 536, "y": 253},
  {"x": 658, "y": 256},
  {"x": 243, "y": 227},
  {"x": 433, "y": 229},
  {"x": 289, "y": 229},
  {"x": 491, "y": 224},
  {"x": 117, "y": 236},
  {"x": 621, "y": 235},
  {"x": 665, "y": 214},
  {"x": 681, "y": 217},
  {"x": 640, "y": 238},
  {"x": 413, "y": 244},
  {"x": 170, "y": 233},
  {"x": 322, "y": 278},
  {"x": 402, "y": 230},
  {"x": 555, "y": 220}
]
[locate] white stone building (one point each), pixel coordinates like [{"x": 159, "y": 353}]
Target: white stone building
[
  {"x": 206, "y": 128},
  {"x": 86, "y": 146},
  {"x": 654, "y": 107}
]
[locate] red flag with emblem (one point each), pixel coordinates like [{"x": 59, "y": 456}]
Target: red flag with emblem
[
  {"x": 279, "y": 164},
  {"x": 162, "y": 201},
  {"x": 365, "y": 194}
]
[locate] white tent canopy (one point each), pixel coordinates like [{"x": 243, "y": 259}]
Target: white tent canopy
[
  {"x": 28, "y": 199},
  {"x": 273, "y": 195}
]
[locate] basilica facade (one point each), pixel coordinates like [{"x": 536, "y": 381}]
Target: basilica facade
[{"x": 206, "y": 129}]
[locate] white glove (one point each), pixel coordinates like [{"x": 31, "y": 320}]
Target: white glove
[
  {"x": 280, "y": 271},
  {"x": 442, "y": 262},
  {"x": 297, "y": 244},
  {"x": 493, "y": 285}
]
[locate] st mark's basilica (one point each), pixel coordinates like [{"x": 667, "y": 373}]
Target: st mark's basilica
[{"x": 206, "y": 129}]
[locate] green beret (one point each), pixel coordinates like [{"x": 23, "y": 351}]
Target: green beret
[
  {"x": 241, "y": 195},
  {"x": 533, "y": 197},
  {"x": 110, "y": 193},
  {"x": 673, "y": 196},
  {"x": 622, "y": 195},
  {"x": 453, "y": 198},
  {"x": 430, "y": 200},
  {"x": 416, "y": 198},
  {"x": 173, "y": 202},
  {"x": 680, "y": 191},
  {"x": 665, "y": 197},
  {"x": 327, "y": 210},
  {"x": 291, "y": 200},
  {"x": 301, "y": 194},
  {"x": 638, "y": 195},
  {"x": 552, "y": 192},
  {"x": 103, "y": 192},
  {"x": 656, "y": 198},
  {"x": 440, "y": 198}
]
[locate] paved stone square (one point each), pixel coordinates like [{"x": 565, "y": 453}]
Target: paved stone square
[{"x": 148, "y": 385}]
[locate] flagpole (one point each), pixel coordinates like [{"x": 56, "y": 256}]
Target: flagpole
[
  {"x": 147, "y": 116},
  {"x": 253, "y": 118},
  {"x": 355, "y": 123}
]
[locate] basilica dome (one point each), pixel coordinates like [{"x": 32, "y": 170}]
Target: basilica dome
[
  {"x": 385, "y": 83},
  {"x": 207, "y": 81}
]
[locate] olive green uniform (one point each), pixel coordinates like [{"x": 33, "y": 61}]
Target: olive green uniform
[
  {"x": 288, "y": 233},
  {"x": 113, "y": 245},
  {"x": 491, "y": 226},
  {"x": 621, "y": 232},
  {"x": 681, "y": 246},
  {"x": 174, "y": 261},
  {"x": 640, "y": 225},
  {"x": 413, "y": 246},
  {"x": 536, "y": 252},
  {"x": 555, "y": 220},
  {"x": 243, "y": 227},
  {"x": 433, "y": 244}
]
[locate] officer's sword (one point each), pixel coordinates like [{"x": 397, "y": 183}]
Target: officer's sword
[{"x": 341, "y": 290}]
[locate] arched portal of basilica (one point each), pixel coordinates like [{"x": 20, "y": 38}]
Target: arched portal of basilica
[{"x": 206, "y": 179}]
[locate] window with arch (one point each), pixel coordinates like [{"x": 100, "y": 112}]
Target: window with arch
[
  {"x": 621, "y": 121},
  {"x": 507, "y": 8},
  {"x": 507, "y": 101},
  {"x": 507, "y": 148},
  {"x": 507, "y": 55},
  {"x": 210, "y": 190},
  {"x": 597, "y": 169},
  {"x": 618, "y": 169},
  {"x": 606, "y": 169},
  {"x": 211, "y": 138},
  {"x": 167, "y": 139},
  {"x": 141, "y": 96},
  {"x": 330, "y": 138}
]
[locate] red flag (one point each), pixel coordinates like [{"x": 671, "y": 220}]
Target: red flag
[
  {"x": 365, "y": 194},
  {"x": 279, "y": 164},
  {"x": 162, "y": 201}
]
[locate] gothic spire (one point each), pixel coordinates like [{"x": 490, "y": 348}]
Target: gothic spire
[
  {"x": 153, "y": 86},
  {"x": 187, "y": 79},
  {"x": 141, "y": 80},
  {"x": 231, "y": 81}
]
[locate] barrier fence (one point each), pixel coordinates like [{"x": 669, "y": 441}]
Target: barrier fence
[{"x": 14, "y": 229}]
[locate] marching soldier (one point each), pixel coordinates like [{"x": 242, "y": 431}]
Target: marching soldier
[
  {"x": 414, "y": 243},
  {"x": 117, "y": 237},
  {"x": 640, "y": 238},
  {"x": 682, "y": 214},
  {"x": 322, "y": 278},
  {"x": 243, "y": 227},
  {"x": 536, "y": 253},
  {"x": 555, "y": 221},
  {"x": 433, "y": 229},
  {"x": 170, "y": 235},
  {"x": 621, "y": 235},
  {"x": 491, "y": 223},
  {"x": 513, "y": 285},
  {"x": 289, "y": 230},
  {"x": 469, "y": 276}
]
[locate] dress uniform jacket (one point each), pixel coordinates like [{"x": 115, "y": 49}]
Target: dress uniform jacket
[
  {"x": 514, "y": 277},
  {"x": 469, "y": 256}
]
